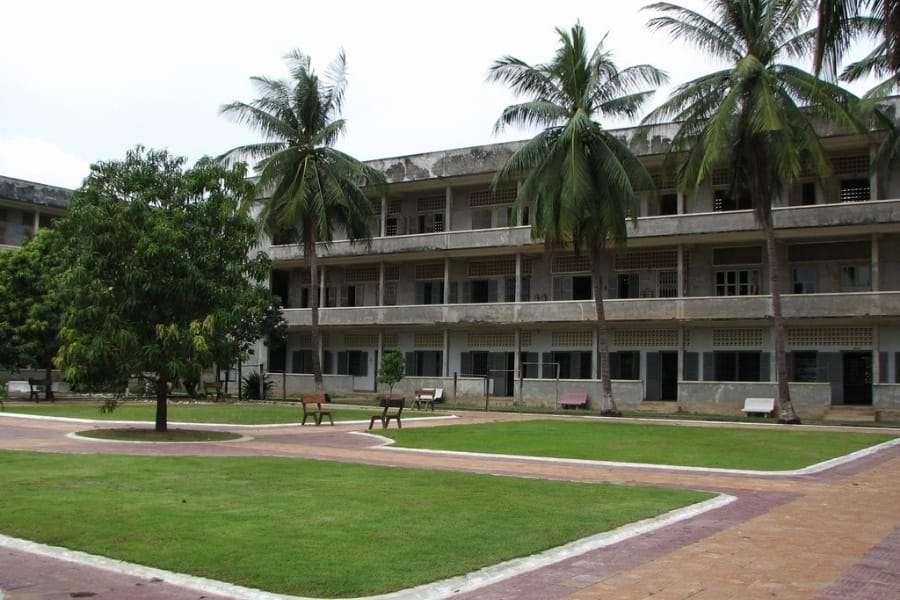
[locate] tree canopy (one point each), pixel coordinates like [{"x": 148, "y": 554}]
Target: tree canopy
[
  {"x": 30, "y": 308},
  {"x": 162, "y": 278}
]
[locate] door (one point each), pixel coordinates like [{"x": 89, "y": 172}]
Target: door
[
  {"x": 501, "y": 373},
  {"x": 857, "y": 368},
  {"x": 668, "y": 376}
]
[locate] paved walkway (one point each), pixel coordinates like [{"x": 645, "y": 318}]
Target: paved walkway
[{"x": 825, "y": 535}]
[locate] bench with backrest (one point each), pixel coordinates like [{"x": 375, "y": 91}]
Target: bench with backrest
[
  {"x": 312, "y": 407},
  {"x": 392, "y": 408},
  {"x": 763, "y": 406},
  {"x": 427, "y": 397},
  {"x": 212, "y": 388},
  {"x": 36, "y": 387},
  {"x": 574, "y": 400}
]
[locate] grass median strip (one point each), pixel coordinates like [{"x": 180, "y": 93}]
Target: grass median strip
[
  {"x": 302, "y": 527},
  {"x": 713, "y": 447}
]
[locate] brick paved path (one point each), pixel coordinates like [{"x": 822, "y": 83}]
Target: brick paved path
[{"x": 829, "y": 535}]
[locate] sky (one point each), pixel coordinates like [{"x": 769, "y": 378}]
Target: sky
[{"x": 82, "y": 82}]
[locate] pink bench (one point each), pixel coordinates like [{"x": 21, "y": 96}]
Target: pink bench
[{"x": 574, "y": 400}]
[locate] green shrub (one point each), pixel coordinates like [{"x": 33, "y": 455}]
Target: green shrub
[{"x": 250, "y": 387}]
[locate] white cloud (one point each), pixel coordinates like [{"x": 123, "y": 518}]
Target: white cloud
[{"x": 37, "y": 160}]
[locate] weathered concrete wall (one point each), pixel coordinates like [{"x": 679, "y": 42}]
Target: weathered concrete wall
[
  {"x": 811, "y": 400},
  {"x": 30, "y": 192}
]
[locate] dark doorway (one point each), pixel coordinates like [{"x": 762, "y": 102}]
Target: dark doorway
[
  {"x": 857, "y": 369},
  {"x": 668, "y": 376}
]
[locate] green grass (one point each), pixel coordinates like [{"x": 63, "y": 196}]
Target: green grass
[
  {"x": 300, "y": 527},
  {"x": 721, "y": 447},
  {"x": 236, "y": 414}
]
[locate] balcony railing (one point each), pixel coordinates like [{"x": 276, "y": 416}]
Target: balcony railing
[{"x": 708, "y": 308}]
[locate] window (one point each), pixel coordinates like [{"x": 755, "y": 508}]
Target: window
[
  {"x": 429, "y": 292},
  {"x": 481, "y": 219},
  {"x": 668, "y": 204},
  {"x": 424, "y": 363},
  {"x": 724, "y": 202},
  {"x": 737, "y": 366},
  {"x": 390, "y": 226},
  {"x": 743, "y": 282},
  {"x": 625, "y": 365},
  {"x": 433, "y": 223},
  {"x": 572, "y": 365},
  {"x": 856, "y": 278},
  {"x": 572, "y": 287},
  {"x": 628, "y": 285},
  {"x": 855, "y": 190},
  {"x": 805, "y": 279},
  {"x": 804, "y": 366}
]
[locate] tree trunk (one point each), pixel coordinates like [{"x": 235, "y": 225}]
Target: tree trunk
[
  {"x": 607, "y": 403},
  {"x": 309, "y": 246},
  {"x": 48, "y": 382},
  {"x": 786, "y": 412},
  {"x": 162, "y": 404}
]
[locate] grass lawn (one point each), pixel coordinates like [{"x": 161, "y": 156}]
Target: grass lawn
[
  {"x": 722, "y": 447},
  {"x": 237, "y": 414},
  {"x": 300, "y": 527}
]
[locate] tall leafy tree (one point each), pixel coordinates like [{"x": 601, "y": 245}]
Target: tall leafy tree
[
  {"x": 30, "y": 308},
  {"x": 161, "y": 276},
  {"x": 755, "y": 116},
  {"x": 578, "y": 181},
  {"x": 313, "y": 189}
]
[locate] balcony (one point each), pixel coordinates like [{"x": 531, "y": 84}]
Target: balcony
[
  {"x": 644, "y": 310},
  {"x": 711, "y": 227}
]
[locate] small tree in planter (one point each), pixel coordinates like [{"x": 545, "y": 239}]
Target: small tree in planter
[{"x": 392, "y": 369}]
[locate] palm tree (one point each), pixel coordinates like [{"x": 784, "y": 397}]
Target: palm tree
[
  {"x": 755, "y": 116},
  {"x": 841, "y": 22},
  {"x": 313, "y": 188},
  {"x": 578, "y": 181}
]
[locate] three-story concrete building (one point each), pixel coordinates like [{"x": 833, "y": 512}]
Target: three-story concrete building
[{"x": 479, "y": 308}]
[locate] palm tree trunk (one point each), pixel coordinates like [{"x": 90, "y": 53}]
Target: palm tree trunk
[
  {"x": 607, "y": 404},
  {"x": 312, "y": 260},
  {"x": 786, "y": 412}
]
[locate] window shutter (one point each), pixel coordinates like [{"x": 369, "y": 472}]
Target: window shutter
[
  {"x": 467, "y": 292},
  {"x": 765, "y": 368},
  {"x": 653, "y": 385},
  {"x": 548, "y": 370},
  {"x": 465, "y": 363},
  {"x": 883, "y": 367},
  {"x": 327, "y": 362},
  {"x": 411, "y": 364},
  {"x": 454, "y": 295},
  {"x": 492, "y": 290},
  {"x": 691, "y": 366},
  {"x": 709, "y": 366},
  {"x": 342, "y": 366}
]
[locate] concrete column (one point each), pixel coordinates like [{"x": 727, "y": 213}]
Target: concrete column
[
  {"x": 448, "y": 207},
  {"x": 446, "y": 353},
  {"x": 322, "y": 302},
  {"x": 380, "y": 300},
  {"x": 382, "y": 217},
  {"x": 876, "y": 261},
  {"x": 876, "y": 356},
  {"x": 517, "y": 363},
  {"x": 446, "y": 280},
  {"x": 518, "y": 297},
  {"x": 681, "y": 290}
]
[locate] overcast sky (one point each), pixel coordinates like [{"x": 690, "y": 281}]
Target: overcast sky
[{"x": 85, "y": 81}]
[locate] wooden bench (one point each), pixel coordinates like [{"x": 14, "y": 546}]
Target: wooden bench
[
  {"x": 212, "y": 387},
  {"x": 574, "y": 400},
  {"x": 764, "y": 406},
  {"x": 316, "y": 412},
  {"x": 386, "y": 416},
  {"x": 36, "y": 387},
  {"x": 427, "y": 397}
]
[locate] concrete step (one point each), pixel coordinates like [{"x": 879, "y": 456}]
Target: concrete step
[
  {"x": 648, "y": 406},
  {"x": 855, "y": 414}
]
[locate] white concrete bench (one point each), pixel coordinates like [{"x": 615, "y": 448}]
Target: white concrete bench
[{"x": 765, "y": 406}]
